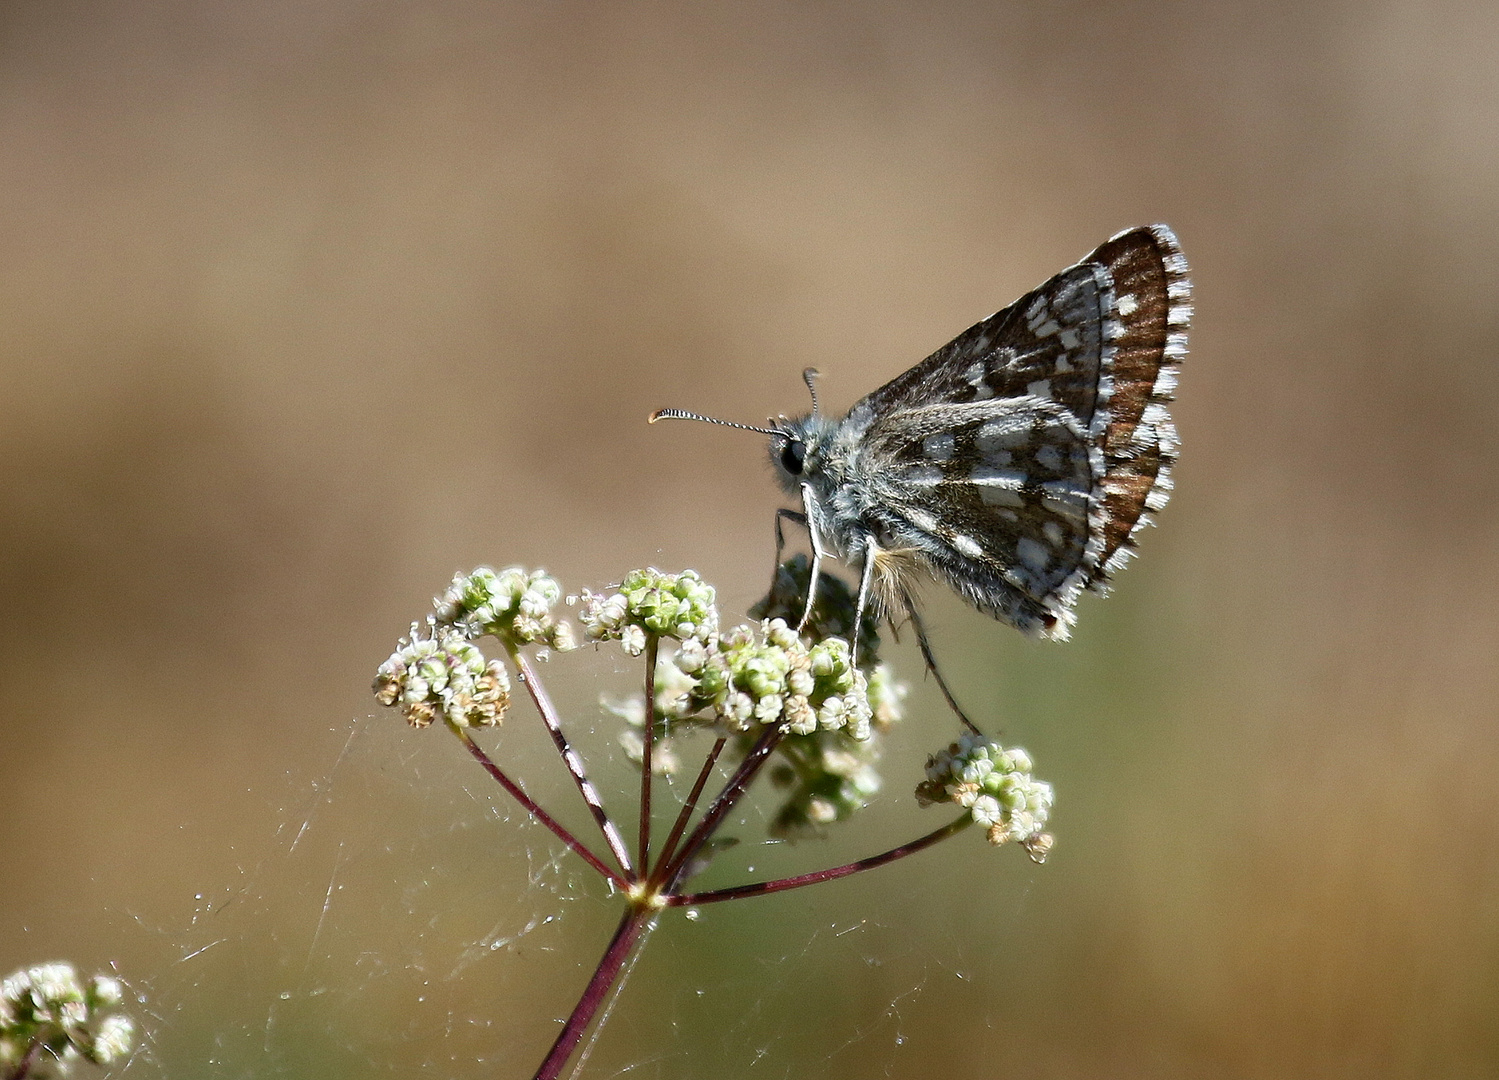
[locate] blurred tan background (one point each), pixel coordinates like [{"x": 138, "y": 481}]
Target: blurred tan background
[{"x": 305, "y": 306}]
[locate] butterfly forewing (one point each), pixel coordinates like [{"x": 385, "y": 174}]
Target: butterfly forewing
[
  {"x": 1021, "y": 459},
  {"x": 1048, "y": 344}
]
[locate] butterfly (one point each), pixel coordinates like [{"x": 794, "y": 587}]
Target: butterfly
[{"x": 1019, "y": 462}]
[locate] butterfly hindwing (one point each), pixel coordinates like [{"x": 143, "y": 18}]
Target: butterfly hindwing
[{"x": 1001, "y": 498}]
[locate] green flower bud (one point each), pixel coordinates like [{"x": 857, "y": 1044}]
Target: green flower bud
[
  {"x": 995, "y": 785},
  {"x": 514, "y": 605}
]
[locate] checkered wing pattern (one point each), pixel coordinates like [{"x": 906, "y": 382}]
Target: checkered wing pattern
[{"x": 1021, "y": 460}]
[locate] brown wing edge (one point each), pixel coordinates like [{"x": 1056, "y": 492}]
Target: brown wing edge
[{"x": 1140, "y": 442}]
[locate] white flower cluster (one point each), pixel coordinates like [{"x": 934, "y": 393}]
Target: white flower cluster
[
  {"x": 48, "y": 1006},
  {"x": 750, "y": 678},
  {"x": 444, "y": 675},
  {"x": 515, "y": 605},
  {"x": 774, "y": 677},
  {"x": 648, "y": 601},
  {"x": 996, "y": 787}
]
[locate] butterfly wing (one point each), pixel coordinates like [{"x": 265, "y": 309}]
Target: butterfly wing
[
  {"x": 999, "y": 498},
  {"x": 1021, "y": 459},
  {"x": 1048, "y": 343},
  {"x": 1153, "y": 309}
]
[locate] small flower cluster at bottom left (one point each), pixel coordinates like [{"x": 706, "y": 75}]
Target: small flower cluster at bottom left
[
  {"x": 49, "y": 1006},
  {"x": 444, "y": 675}
]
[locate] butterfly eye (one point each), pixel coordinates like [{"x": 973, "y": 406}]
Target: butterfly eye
[{"x": 793, "y": 454}]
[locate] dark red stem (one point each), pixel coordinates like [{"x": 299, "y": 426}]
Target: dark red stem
[
  {"x": 635, "y": 921},
  {"x": 538, "y": 813},
  {"x": 726, "y": 800},
  {"x": 760, "y": 888},
  {"x": 652, "y": 648},
  {"x": 688, "y": 807}
]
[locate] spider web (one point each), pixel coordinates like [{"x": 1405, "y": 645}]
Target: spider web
[{"x": 407, "y": 917}]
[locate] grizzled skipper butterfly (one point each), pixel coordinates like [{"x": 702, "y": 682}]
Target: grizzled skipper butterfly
[{"x": 1017, "y": 463}]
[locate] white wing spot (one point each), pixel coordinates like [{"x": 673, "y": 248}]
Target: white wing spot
[
  {"x": 1041, "y": 388},
  {"x": 966, "y": 545},
  {"x": 1063, "y": 364},
  {"x": 975, "y": 378},
  {"x": 1061, "y": 498},
  {"x": 923, "y": 475},
  {"x": 1069, "y": 339},
  {"x": 1047, "y": 328},
  {"x": 1128, "y": 304},
  {"x": 922, "y": 520},
  {"x": 998, "y": 487},
  {"x": 1033, "y": 555},
  {"x": 1049, "y": 458},
  {"x": 1053, "y": 533},
  {"x": 938, "y": 447},
  {"x": 996, "y": 438}
]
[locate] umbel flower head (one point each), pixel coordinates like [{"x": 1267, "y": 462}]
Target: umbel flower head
[
  {"x": 823, "y": 709},
  {"x": 49, "y": 1006},
  {"x": 772, "y": 677},
  {"x": 514, "y": 605},
  {"x": 994, "y": 785},
  {"x": 445, "y": 676},
  {"x": 831, "y": 774},
  {"x": 648, "y": 601}
]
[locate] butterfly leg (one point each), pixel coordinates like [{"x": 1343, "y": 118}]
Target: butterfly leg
[
  {"x": 871, "y": 553},
  {"x": 817, "y": 554},
  {"x": 931, "y": 664},
  {"x": 796, "y": 517}
]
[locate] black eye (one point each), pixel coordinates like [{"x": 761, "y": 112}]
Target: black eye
[{"x": 793, "y": 454}]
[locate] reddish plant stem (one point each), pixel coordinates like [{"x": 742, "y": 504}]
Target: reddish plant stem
[
  {"x": 760, "y": 888},
  {"x": 635, "y": 921},
  {"x": 23, "y": 1067},
  {"x": 727, "y": 798},
  {"x": 652, "y": 648},
  {"x": 680, "y": 825},
  {"x": 537, "y": 812},
  {"x": 574, "y": 764}
]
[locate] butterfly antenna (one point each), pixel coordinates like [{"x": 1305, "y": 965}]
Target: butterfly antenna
[
  {"x": 810, "y": 376},
  {"x": 682, "y": 414}
]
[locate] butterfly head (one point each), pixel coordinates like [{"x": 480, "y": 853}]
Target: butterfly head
[{"x": 799, "y": 449}]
